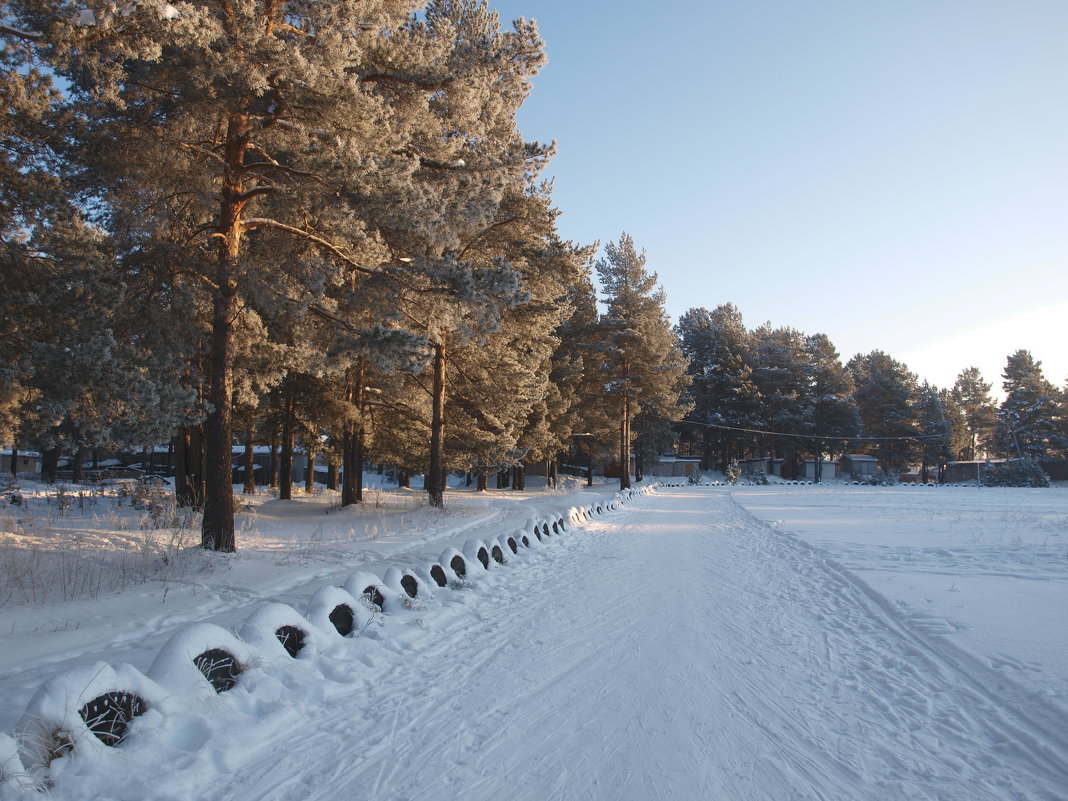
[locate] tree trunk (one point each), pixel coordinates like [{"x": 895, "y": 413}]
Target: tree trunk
[
  {"x": 331, "y": 476},
  {"x": 50, "y": 464},
  {"x": 250, "y": 458},
  {"x": 217, "y": 529},
  {"x": 624, "y": 445},
  {"x": 76, "y": 464},
  {"x": 359, "y": 453},
  {"x": 285, "y": 463},
  {"x": 272, "y": 464},
  {"x": 348, "y": 473},
  {"x": 180, "y": 448},
  {"x": 352, "y": 444},
  {"x": 309, "y": 471},
  {"x": 434, "y": 483}
]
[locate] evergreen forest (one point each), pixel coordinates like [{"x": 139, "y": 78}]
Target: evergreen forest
[{"x": 317, "y": 226}]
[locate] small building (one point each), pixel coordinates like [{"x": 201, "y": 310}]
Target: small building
[
  {"x": 828, "y": 470},
  {"x": 756, "y": 466},
  {"x": 961, "y": 472},
  {"x": 858, "y": 464},
  {"x": 27, "y": 462},
  {"x": 676, "y": 466}
]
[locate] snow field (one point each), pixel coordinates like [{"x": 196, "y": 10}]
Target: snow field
[
  {"x": 54, "y": 739},
  {"x": 681, "y": 650},
  {"x": 985, "y": 570}
]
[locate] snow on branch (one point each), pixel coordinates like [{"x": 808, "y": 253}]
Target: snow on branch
[
  {"x": 30, "y": 36},
  {"x": 266, "y": 222}
]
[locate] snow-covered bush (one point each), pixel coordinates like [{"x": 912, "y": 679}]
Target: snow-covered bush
[
  {"x": 878, "y": 479},
  {"x": 733, "y": 471},
  {"x": 15, "y": 781},
  {"x": 755, "y": 477},
  {"x": 1016, "y": 473}
]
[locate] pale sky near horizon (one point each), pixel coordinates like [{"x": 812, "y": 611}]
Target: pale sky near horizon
[{"x": 894, "y": 175}]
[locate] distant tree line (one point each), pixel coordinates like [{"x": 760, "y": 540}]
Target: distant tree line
[
  {"x": 313, "y": 225},
  {"x": 778, "y": 392}
]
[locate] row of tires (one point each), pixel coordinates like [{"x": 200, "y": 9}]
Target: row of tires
[
  {"x": 808, "y": 483},
  {"x": 92, "y": 706}
]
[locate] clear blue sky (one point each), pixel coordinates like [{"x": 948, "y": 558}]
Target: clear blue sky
[{"x": 892, "y": 174}]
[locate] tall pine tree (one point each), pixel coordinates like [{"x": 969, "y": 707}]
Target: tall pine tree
[
  {"x": 639, "y": 361},
  {"x": 1027, "y": 421}
]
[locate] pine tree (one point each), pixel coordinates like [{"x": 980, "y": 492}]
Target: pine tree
[
  {"x": 221, "y": 135},
  {"x": 885, "y": 394},
  {"x": 835, "y": 419},
  {"x": 723, "y": 392},
  {"x": 781, "y": 375},
  {"x": 641, "y": 365},
  {"x": 971, "y": 396},
  {"x": 935, "y": 428},
  {"x": 590, "y": 421},
  {"x": 1027, "y": 421}
]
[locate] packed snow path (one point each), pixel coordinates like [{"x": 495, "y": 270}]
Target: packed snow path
[{"x": 675, "y": 649}]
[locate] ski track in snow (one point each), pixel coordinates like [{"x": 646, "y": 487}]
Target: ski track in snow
[{"x": 676, "y": 649}]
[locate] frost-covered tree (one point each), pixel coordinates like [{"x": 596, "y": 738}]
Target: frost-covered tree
[
  {"x": 519, "y": 381},
  {"x": 885, "y": 392},
  {"x": 590, "y": 418},
  {"x": 933, "y": 420},
  {"x": 974, "y": 404},
  {"x": 220, "y": 134},
  {"x": 722, "y": 389},
  {"x": 1027, "y": 420},
  {"x": 641, "y": 367},
  {"x": 781, "y": 375},
  {"x": 835, "y": 419}
]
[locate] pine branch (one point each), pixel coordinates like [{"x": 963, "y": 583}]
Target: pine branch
[
  {"x": 255, "y": 191},
  {"x": 26, "y": 36},
  {"x": 204, "y": 152},
  {"x": 482, "y": 234},
  {"x": 266, "y": 222},
  {"x": 418, "y": 83}
]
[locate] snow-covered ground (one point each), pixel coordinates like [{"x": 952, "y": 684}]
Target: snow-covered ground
[
  {"x": 985, "y": 569},
  {"x": 694, "y": 643}
]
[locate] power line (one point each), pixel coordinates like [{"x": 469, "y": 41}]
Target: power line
[{"x": 766, "y": 433}]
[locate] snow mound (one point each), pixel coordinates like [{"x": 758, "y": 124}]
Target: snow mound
[
  {"x": 278, "y": 631},
  {"x": 370, "y": 589},
  {"x": 201, "y": 659},
  {"x": 89, "y": 709},
  {"x": 454, "y": 565},
  {"x": 476, "y": 553},
  {"x": 509, "y": 544},
  {"x": 335, "y": 609},
  {"x": 407, "y": 584}
]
